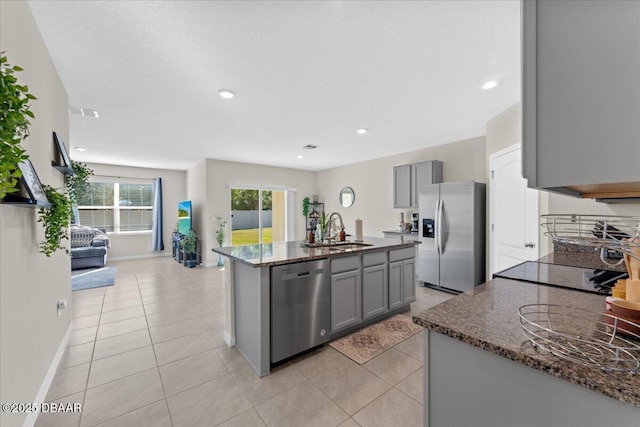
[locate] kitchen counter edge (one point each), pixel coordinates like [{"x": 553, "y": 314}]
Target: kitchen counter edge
[{"x": 302, "y": 254}]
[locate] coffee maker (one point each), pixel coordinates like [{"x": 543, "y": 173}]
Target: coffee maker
[{"x": 414, "y": 222}]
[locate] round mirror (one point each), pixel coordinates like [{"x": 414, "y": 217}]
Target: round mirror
[{"x": 347, "y": 197}]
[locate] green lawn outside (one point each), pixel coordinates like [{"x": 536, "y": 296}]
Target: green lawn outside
[{"x": 249, "y": 236}]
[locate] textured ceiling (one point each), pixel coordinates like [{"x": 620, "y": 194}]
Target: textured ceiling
[{"x": 305, "y": 72}]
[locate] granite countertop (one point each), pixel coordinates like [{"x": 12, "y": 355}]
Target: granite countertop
[
  {"x": 414, "y": 233},
  {"x": 579, "y": 256},
  {"x": 291, "y": 252},
  {"x": 487, "y": 317}
]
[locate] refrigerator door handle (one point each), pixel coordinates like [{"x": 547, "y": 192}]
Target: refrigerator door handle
[
  {"x": 435, "y": 227},
  {"x": 440, "y": 225}
]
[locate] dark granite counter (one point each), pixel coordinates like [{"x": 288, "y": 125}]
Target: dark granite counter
[
  {"x": 487, "y": 317},
  {"x": 579, "y": 256},
  {"x": 291, "y": 252},
  {"x": 403, "y": 233}
]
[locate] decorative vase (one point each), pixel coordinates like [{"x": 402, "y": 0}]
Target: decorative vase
[{"x": 220, "y": 260}]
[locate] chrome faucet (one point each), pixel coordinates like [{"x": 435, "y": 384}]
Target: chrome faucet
[{"x": 330, "y": 222}]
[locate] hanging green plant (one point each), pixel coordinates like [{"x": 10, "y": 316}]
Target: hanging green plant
[
  {"x": 55, "y": 221},
  {"x": 14, "y": 125},
  {"x": 77, "y": 183}
]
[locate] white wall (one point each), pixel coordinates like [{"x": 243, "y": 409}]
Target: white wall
[
  {"x": 221, "y": 175},
  {"x": 197, "y": 193},
  {"x": 372, "y": 182},
  {"x": 31, "y": 283},
  {"x": 138, "y": 245}
]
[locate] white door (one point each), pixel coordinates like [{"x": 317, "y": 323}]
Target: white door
[{"x": 513, "y": 212}]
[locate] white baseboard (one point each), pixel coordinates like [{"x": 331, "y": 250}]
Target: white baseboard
[
  {"x": 229, "y": 340},
  {"x": 30, "y": 421},
  {"x": 132, "y": 257}
]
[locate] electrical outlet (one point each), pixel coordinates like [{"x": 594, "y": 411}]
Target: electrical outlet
[{"x": 62, "y": 304}]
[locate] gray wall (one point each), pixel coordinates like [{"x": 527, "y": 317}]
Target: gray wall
[{"x": 30, "y": 283}]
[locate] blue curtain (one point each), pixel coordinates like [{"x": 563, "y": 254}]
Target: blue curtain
[{"x": 156, "y": 238}]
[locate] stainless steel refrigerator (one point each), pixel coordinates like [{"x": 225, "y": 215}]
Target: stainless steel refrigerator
[{"x": 452, "y": 253}]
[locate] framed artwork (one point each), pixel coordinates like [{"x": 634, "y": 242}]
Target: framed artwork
[{"x": 32, "y": 183}]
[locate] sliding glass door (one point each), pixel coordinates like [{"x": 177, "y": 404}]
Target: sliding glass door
[{"x": 257, "y": 216}]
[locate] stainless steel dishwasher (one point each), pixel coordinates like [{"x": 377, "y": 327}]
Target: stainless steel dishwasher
[{"x": 300, "y": 307}]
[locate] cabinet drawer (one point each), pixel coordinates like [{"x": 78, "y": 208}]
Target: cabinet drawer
[
  {"x": 400, "y": 254},
  {"x": 375, "y": 258},
  {"x": 339, "y": 265}
]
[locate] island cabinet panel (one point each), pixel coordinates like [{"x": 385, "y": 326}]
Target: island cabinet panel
[
  {"x": 468, "y": 386},
  {"x": 402, "y": 276},
  {"x": 374, "y": 290},
  {"x": 346, "y": 299},
  {"x": 395, "y": 284},
  {"x": 408, "y": 281}
]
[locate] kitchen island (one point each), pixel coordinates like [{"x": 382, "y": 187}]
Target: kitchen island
[
  {"x": 481, "y": 370},
  {"x": 361, "y": 283}
]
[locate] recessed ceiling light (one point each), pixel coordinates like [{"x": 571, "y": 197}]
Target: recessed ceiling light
[
  {"x": 300, "y": 156},
  {"x": 80, "y": 148},
  {"x": 362, "y": 131},
  {"x": 490, "y": 84},
  {"x": 226, "y": 93},
  {"x": 84, "y": 112}
]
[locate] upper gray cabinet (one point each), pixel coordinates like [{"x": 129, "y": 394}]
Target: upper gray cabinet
[
  {"x": 424, "y": 173},
  {"x": 402, "y": 186},
  {"x": 581, "y": 97},
  {"x": 407, "y": 180}
]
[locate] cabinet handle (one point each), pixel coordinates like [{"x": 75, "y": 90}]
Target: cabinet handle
[{"x": 529, "y": 245}]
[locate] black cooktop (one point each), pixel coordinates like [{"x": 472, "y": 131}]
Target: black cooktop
[{"x": 598, "y": 281}]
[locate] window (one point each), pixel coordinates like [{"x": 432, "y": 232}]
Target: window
[{"x": 116, "y": 206}]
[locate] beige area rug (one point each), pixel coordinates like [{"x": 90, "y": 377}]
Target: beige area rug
[{"x": 365, "y": 344}]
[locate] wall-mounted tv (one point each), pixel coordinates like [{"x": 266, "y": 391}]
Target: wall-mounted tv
[{"x": 184, "y": 217}]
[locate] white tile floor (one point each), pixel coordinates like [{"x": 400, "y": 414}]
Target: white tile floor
[{"x": 148, "y": 351}]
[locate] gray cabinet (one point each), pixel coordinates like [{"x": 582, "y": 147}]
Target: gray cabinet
[
  {"x": 346, "y": 292},
  {"x": 395, "y": 284},
  {"x": 581, "y": 97},
  {"x": 407, "y": 180},
  {"x": 402, "y": 277},
  {"x": 402, "y": 186},
  {"x": 424, "y": 173},
  {"x": 374, "y": 284},
  {"x": 408, "y": 281}
]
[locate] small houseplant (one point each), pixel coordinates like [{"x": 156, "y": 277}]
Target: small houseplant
[
  {"x": 189, "y": 244},
  {"x": 220, "y": 235},
  {"x": 55, "y": 221},
  {"x": 14, "y": 119}
]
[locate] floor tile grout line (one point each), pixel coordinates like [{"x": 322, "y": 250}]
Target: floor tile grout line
[
  {"x": 95, "y": 339},
  {"x": 155, "y": 355}
]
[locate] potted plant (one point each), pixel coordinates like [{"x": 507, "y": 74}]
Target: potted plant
[
  {"x": 189, "y": 244},
  {"x": 220, "y": 235},
  {"x": 14, "y": 119},
  {"x": 55, "y": 221}
]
